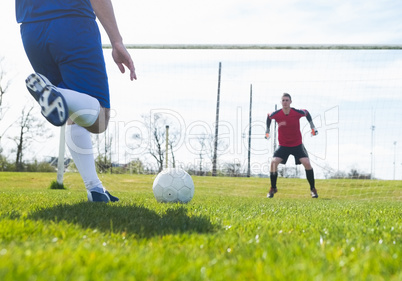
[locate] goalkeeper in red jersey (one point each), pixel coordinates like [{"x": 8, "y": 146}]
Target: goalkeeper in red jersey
[{"x": 290, "y": 142}]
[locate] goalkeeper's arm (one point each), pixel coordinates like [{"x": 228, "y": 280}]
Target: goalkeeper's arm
[
  {"x": 310, "y": 120},
  {"x": 267, "y": 136}
]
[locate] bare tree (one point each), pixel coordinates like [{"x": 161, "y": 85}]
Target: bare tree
[
  {"x": 4, "y": 86},
  {"x": 202, "y": 141},
  {"x": 156, "y": 126},
  {"x": 232, "y": 169},
  {"x": 355, "y": 174},
  {"x": 288, "y": 171},
  {"x": 157, "y": 149},
  {"x": 205, "y": 147},
  {"x": 104, "y": 159},
  {"x": 30, "y": 127}
]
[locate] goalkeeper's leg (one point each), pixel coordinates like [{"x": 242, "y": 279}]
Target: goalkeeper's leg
[
  {"x": 309, "y": 175},
  {"x": 274, "y": 176}
]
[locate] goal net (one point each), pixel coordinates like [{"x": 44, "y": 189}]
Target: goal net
[{"x": 353, "y": 93}]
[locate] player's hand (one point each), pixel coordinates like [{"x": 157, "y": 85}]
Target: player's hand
[
  {"x": 123, "y": 59},
  {"x": 314, "y": 132},
  {"x": 267, "y": 136}
]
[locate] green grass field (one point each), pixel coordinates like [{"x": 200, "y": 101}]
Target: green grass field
[{"x": 229, "y": 231}]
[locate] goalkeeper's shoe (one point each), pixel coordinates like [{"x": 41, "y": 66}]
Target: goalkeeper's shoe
[
  {"x": 314, "y": 193},
  {"x": 53, "y": 105},
  {"x": 271, "y": 192}
]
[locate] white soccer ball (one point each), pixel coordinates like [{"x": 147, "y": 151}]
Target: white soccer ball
[{"x": 173, "y": 185}]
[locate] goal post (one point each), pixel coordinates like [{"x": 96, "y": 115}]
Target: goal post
[
  {"x": 60, "y": 160},
  {"x": 262, "y": 46}
]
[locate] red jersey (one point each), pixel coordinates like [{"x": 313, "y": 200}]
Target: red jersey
[{"x": 288, "y": 126}]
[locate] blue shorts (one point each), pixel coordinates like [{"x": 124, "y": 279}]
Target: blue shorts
[
  {"x": 298, "y": 152},
  {"x": 68, "y": 51}
]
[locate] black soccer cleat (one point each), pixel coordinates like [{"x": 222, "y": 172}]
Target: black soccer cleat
[
  {"x": 271, "y": 192},
  {"x": 314, "y": 193}
]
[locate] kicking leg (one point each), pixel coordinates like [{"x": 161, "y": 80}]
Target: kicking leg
[{"x": 58, "y": 104}]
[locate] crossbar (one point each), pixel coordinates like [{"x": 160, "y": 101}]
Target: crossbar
[{"x": 263, "y": 46}]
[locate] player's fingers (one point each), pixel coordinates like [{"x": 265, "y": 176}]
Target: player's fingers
[
  {"x": 132, "y": 71},
  {"x": 121, "y": 67},
  {"x": 133, "y": 75}
]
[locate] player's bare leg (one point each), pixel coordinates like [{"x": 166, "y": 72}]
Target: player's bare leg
[{"x": 100, "y": 124}]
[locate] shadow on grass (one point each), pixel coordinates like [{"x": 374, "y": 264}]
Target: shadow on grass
[{"x": 131, "y": 219}]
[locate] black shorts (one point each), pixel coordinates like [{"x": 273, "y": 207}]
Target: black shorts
[{"x": 298, "y": 152}]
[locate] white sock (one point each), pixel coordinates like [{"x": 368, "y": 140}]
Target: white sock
[
  {"x": 78, "y": 141},
  {"x": 82, "y": 108}
]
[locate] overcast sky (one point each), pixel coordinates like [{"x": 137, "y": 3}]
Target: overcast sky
[
  {"x": 247, "y": 22},
  {"x": 236, "y": 22},
  {"x": 261, "y": 21}
]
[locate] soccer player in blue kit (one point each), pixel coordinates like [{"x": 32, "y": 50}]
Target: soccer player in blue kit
[
  {"x": 290, "y": 142},
  {"x": 62, "y": 41}
]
